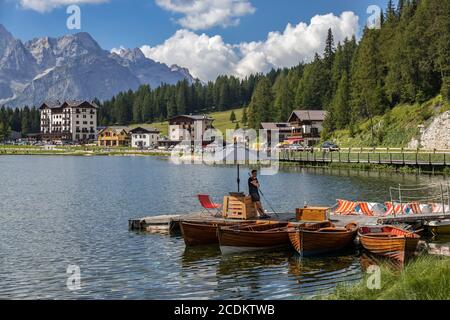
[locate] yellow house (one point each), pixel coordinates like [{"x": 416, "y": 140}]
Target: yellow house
[{"x": 114, "y": 137}]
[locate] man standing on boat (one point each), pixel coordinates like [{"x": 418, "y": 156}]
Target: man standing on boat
[{"x": 253, "y": 189}]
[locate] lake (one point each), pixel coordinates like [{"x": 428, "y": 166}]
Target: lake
[{"x": 61, "y": 211}]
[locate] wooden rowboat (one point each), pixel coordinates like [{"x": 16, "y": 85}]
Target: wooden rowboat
[
  {"x": 199, "y": 233},
  {"x": 388, "y": 241},
  {"x": 322, "y": 238},
  {"x": 243, "y": 238}
]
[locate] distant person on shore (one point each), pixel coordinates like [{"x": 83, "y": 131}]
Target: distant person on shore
[{"x": 253, "y": 189}]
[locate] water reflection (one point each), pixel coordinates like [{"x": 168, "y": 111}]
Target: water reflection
[
  {"x": 320, "y": 275},
  {"x": 368, "y": 259},
  {"x": 56, "y": 211}
]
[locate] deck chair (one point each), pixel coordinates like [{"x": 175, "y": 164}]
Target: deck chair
[
  {"x": 209, "y": 206},
  {"x": 415, "y": 207},
  {"x": 345, "y": 207},
  {"x": 365, "y": 209},
  {"x": 397, "y": 209}
]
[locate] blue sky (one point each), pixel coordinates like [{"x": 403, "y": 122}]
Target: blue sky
[
  {"x": 132, "y": 23},
  {"x": 171, "y": 31}
]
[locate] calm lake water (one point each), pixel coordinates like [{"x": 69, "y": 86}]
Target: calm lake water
[{"x": 61, "y": 211}]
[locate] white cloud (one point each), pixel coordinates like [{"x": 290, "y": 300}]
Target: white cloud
[
  {"x": 204, "y": 14},
  {"x": 49, "y": 5},
  {"x": 207, "y": 57}
]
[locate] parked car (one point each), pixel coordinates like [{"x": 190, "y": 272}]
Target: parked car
[
  {"x": 330, "y": 146},
  {"x": 299, "y": 147}
]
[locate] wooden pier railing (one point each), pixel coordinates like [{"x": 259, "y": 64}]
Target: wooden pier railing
[{"x": 380, "y": 156}]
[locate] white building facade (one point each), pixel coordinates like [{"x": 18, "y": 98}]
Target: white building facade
[
  {"x": 74, "y": 121},
  {"x": 184, "y": 128},
  {"x": 143, "y": 138}
]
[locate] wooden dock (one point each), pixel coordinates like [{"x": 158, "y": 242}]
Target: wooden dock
[
  {"x": 414, "y": 218},
  {"x": 426, "y": 160},
  {"x": 170, "y": 224}
]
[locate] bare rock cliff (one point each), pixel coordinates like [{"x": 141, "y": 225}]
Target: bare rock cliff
[{"x": 436, "y": 135}]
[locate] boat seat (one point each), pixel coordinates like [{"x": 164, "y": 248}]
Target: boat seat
[
  {"x": 332, "y": 230},
  {"x": 381, "y": 235}
]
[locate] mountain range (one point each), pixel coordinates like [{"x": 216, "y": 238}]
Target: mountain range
[{"x": 74, "y": 67}]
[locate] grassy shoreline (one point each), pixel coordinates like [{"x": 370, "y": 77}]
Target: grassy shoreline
[
  {"x": 425, "y": 278},
  {"x": 77, "y": 151}
]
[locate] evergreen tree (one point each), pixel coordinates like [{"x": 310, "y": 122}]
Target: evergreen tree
[
  {"x": 367, "y": 93},
  {"x": 137, "y": 111},
  {"x": 329, "y": 51},
  {"x": 181, "y": 97},
  {"x": 312, "y": 92},
  {"x": 232, "y": 117},
  {"x": 244, "y": 117},
  {"x": 26, "y": 121},
  {"x": 283, "y": 98},
  {"x": 224, "y": 96},
  {"x": 171, "y": 107},
  {"x": 4, "y": 131},
  {"x": 260, "y": 108},
  {"x": 340, "y": 103},
  {"x": 16, "y": 121}
]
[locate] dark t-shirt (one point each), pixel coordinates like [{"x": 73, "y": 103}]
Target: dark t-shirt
[{"x": 251, "y": 188}]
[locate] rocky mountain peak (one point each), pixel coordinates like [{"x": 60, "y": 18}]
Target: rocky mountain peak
[
  {"x": 73, "y": 67},
  {"x": 6, "y": 39},
  {"x": 131, "y": 54},
  {"x": 77, "y": 44}
]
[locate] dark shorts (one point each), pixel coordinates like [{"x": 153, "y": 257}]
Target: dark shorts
[{"x": 255, "y": 197}]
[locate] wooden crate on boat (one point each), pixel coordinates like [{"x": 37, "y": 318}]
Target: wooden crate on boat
[
  {"x": 238, "y": 208},
  {"x": 312, "y": 214}
]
